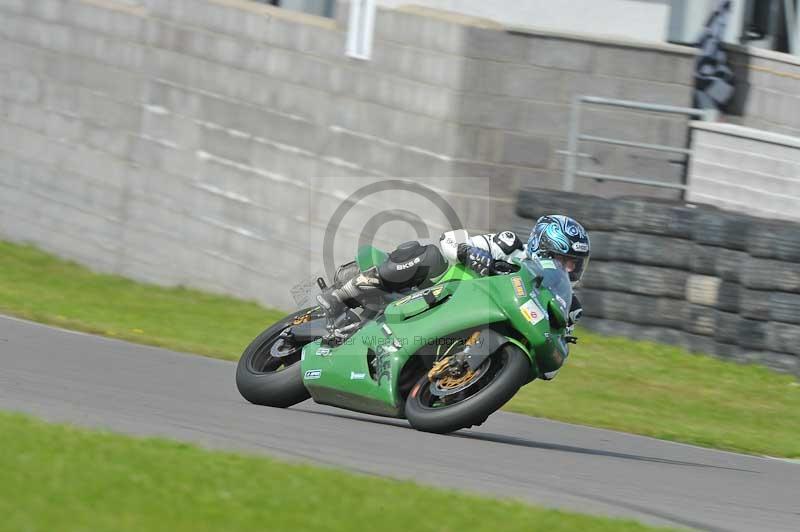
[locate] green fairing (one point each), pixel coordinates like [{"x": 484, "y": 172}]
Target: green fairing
[
  {"x": 460, "y": 302},
  {"x": 456, "y": 274}
]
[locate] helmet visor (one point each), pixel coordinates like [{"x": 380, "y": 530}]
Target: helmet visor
[{"x": 574, "y": 266}]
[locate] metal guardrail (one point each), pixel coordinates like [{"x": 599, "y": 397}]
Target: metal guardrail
[{"x": 571, "y": 170}]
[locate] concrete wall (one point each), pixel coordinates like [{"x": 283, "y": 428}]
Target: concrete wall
[
  {"x": 745, "y": 170},
  {"x": 208, "y": 143},
  {"x": 515, "y": 91},
  {"x": 644, "y": 20},
  {"x": 654, "y": 21},
  {"x": 768, "y": 90}
]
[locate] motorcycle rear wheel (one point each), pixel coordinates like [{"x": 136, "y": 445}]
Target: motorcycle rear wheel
[
  {"x": 427, "y": 413},
  {"x": 267, "y": 380}
]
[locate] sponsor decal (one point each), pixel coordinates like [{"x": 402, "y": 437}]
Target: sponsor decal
[
  {"x": 581, "y": 247},
  {"x": 312, "y": 374},
  {"x": 519, "y": 287},
  {"x": 324, "y": 352},
  {"x": 532, "y": 312},
  {"x": 357, "y": 376},
  {"x": 383, "y": 361},
  {"x": 548, "y": 264},
  {"x": 409, "y": 264}
]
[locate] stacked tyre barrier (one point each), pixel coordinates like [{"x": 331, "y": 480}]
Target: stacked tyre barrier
[{"x": 711, "y": 281}]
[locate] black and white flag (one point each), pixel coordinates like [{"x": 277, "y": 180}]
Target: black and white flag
[{"x": 713, "y": 78}]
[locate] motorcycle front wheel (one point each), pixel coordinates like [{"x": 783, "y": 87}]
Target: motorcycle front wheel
[
  {"x": 505, "y": 372},
  {"x": 268, "y": 372}
]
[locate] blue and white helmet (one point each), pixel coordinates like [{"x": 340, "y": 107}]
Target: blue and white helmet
[{"x": 561, "y": 238}]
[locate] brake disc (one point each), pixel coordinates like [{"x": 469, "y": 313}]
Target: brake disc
[{"x": 448, "y": 385}]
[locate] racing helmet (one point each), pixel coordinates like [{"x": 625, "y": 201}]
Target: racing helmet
[{"x": 564, "y": 240}]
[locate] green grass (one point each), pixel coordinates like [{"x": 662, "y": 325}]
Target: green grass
[
  {"x": 66, "y": 479},
  {"x": 665, "y": 392},
  {"x": 39, "y": 287},
  {"x": 621, "y": 384}
]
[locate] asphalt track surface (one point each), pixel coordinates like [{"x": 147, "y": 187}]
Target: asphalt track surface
[{"x": 99, "y": 382}]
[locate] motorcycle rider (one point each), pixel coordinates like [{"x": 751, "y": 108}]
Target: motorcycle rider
[{"x": 557, "y": 237}]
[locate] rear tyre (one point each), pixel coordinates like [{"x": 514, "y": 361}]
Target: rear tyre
[
  {"x": 509, "y": 368},
  {"x": 269, "y": 380}
]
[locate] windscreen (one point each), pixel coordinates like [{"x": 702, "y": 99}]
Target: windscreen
[{"x": 554, "y": 279}]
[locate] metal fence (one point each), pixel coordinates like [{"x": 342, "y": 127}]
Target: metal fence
[{"x": 571, "y": 170}]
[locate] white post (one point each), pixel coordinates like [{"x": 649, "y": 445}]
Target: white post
[
  {"x": 360, "y": 29},
  {"x": 793, "y": 28},
  {"x": 791, "y": 23}
]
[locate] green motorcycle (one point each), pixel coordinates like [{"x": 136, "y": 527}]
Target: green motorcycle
[{"x": 444, "y": 357}]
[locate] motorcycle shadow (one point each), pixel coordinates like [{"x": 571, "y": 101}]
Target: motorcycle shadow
[
  {"x": 522, "y": 442},
  {"x": 477, "y": 435}
]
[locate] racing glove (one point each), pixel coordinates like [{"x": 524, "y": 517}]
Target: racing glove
[
  {"x": 574, "y": 316},
  {"x": 477, "y": 259},
  {"x": 575, "y": 311}
]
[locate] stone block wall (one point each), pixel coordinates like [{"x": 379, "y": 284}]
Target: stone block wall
[
  {"x": 209, "y": 142},
  {"x": 517, "y": 92},
  {"x": 745, "y": 170},
  {"x": 707, "y": 280},
  {"x": 768, "y": 90}
]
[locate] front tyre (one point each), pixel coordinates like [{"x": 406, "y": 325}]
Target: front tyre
[
  {"x": 508, "y": 369},
  {"x": 268, "y": 372}
]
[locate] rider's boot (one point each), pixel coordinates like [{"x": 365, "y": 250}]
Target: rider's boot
[{"x": 331, "y": 303}]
